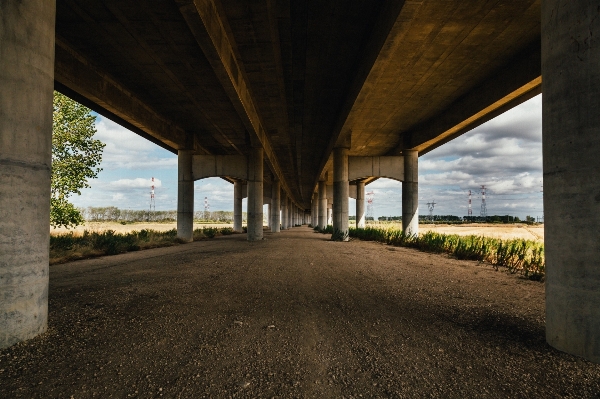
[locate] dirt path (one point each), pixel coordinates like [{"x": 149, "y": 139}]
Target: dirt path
[{"x": 294, "y": 316}]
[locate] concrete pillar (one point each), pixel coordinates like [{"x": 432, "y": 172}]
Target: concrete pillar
[
  {"x": 284, "y": 221},
  {"x": 571, "y": 138},
  {"x": 314, "y": 217},
  {"x": 255, "y": 194},
  {"x": 340, "y": 194},
  {"x": 322, "y": 205},
  {"x": 360, "y": 204},
  {"x": 185, "y": 196},
  {"x": 26, "y": 86},
  {"x": 410, "y": 192},
  {"x": 275, "y": 207},
  {"x": 289, "y": 213},
  {"x": 238, "y": 195},
  {"x": 269, "y": 216}
]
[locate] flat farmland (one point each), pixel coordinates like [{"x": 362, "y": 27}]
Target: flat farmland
[{"x": 503, "y": 231}]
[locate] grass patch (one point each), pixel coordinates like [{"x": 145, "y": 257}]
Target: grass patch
[
  {"x": 521, "y": 256},
  {"x": 70, "y": 246}
]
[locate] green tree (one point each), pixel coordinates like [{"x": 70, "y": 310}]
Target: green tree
[{"x": 75, "y": 158}]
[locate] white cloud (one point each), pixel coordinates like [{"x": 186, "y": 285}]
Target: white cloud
[
  {"x": 130, "y": 184},
  {"x": 126, "y": 150}
]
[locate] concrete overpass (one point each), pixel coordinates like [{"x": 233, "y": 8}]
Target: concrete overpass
[{"x": 300, "y": 94}]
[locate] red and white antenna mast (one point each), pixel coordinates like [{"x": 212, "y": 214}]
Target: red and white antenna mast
[
  {"x": 370, "y": 212},
  {"x": 483, "y": 212},
  {"x": 470, "y": 211},
  {"x": 206, "y": 208},
  {"x": 152, "y": 201}
]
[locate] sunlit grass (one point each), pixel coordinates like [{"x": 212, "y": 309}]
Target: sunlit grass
[
  {"x": 71, "y": 246},
  {"x": 518, "y": 255}
]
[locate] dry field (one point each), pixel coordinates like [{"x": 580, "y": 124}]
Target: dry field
[
  {"x": 120, "y": 228},
  {"x": 535, "y": 233},
  {"x": 489, "y": 230}
]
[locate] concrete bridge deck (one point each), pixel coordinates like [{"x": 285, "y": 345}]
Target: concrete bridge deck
[{"x": 295, "y": 315}]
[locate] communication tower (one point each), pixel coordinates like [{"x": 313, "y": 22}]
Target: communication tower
[
  {"x": 483, "y": 212},
  {"x": 206, "y": 209},
  {"x": 430, "y": 206},
  {"x": 152, "y": 200},
  {"x": 370, "y": 211},
  {"x": 470, "y": 210}
]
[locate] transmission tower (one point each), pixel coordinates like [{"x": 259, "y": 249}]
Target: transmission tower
[
  {"x": 206, "y": 208},
  {"x": 370, "y": 211},
  {"x": 470, "y": 210},
  {"x": 483, "y": 212},
  {"x": 430, "y": 206},
  {"x": 152, "y": 200}
]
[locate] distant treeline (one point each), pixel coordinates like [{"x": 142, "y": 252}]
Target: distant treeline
[
  {"x": 464, "y": 219},
  {"x": 114, "y": 214}
]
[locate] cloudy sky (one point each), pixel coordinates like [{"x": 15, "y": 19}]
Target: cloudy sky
[{"x": 504, "y": 154}]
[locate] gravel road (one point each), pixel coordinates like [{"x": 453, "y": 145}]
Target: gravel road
[{"x": 293, "y": 316}]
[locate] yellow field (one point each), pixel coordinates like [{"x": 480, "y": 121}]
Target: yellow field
[
  {"x": 120, "y": 228},
  {"x": 489, "y": 230},
  {"x": 503, "y": 231}
]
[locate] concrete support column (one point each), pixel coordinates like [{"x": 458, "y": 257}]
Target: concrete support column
[
  {"x": 289, "y": 216},
  {"x": 185, "y": 196},
  {"x": 255, "y": 194},
  {"x": 341, "y": 192},
  {"x": 26, "y": 86},
  {"x": 314, "y": 216},
  {"x": 571, "y": 138},
  {"x": 284, "y": 221},
  {"x": 322, "y": 208},
  {"x": 238, "y": 195},
  {"x": 275, "y": 207},
  {"x": 360, "y": 204},
  {"x": 410, "y": 192}
]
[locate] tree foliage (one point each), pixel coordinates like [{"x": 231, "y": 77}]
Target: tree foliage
[{"x": 75, "y": 158}]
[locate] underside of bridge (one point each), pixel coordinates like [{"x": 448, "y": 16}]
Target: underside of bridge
[
  {"x": 297, "y": 77},
  {"x": 298, "y": 90}
]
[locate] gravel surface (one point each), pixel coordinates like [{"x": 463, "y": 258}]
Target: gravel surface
[{"x": 292, "y": 316}]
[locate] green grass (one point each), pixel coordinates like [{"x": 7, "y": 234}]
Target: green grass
[
  {"x": 521, "y": 256},
  {"x": 68, "y": 247}
]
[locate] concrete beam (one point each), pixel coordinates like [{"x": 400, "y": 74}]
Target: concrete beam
[
  {"x": 391, "y": 167},
  {"x": 96, "y": 89},
  {"x": 518, "y": 81},
  {"x": 212, "y": 33},
  {"x": 235, "y": 166}
]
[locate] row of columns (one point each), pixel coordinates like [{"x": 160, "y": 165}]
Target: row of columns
[
  {"x": 290, "y": 213},
  {"x": 571, "y": 130},
  {"x": 323, "y": 213}
]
